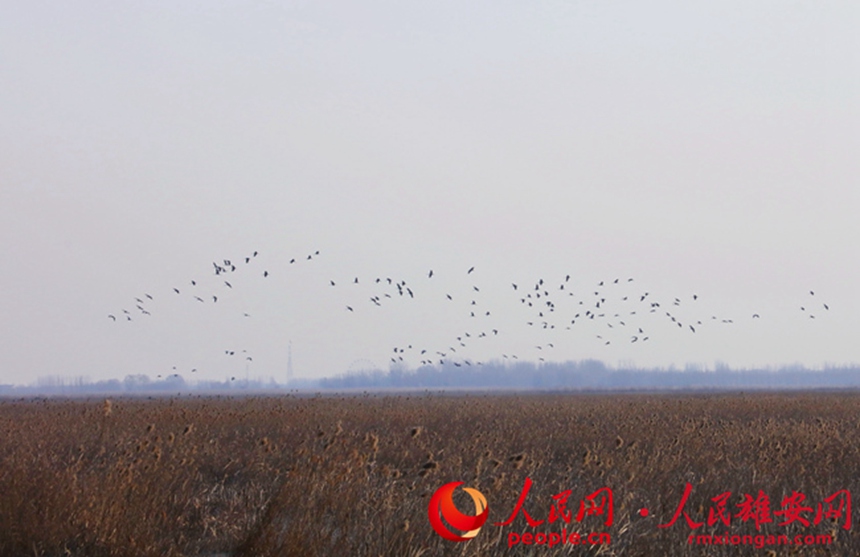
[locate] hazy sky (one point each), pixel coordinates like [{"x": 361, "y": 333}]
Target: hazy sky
[{"x": 698, "y": 148}]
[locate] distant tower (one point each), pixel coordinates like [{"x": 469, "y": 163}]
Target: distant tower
[{"x": 290, "y": 362}]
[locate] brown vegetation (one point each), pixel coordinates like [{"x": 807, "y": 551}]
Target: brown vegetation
[{"x": 353, "y": 476}]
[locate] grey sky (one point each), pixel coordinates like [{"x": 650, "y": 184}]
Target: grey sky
[{"x": 700, "y": 149}]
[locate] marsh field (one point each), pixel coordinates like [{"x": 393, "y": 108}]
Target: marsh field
[{"x": 758, "y": 474}]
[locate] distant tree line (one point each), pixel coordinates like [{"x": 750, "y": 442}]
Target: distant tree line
[
  {"x": 572, "y": 375},
  {"x": 594, "y": 375}
]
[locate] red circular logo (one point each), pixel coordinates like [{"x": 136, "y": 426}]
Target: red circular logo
[{"x": 442, "y": 506}]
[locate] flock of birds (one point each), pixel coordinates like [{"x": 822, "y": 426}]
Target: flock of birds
[
  {"x": 614, "y": 310},
  {"x": 223, "y": 270}
]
